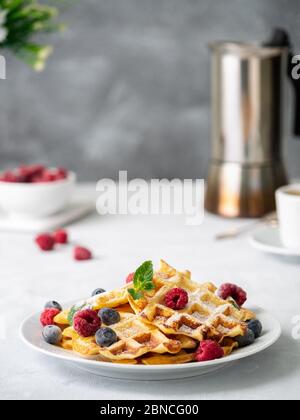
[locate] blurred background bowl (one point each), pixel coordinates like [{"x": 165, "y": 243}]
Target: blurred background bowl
[{"x": 36, "y": 199}]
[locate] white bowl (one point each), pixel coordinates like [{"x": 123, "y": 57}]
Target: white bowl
[{"x": 36, "y": 199}]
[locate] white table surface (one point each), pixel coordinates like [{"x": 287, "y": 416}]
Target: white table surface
[{"x": 28, "y": 278}]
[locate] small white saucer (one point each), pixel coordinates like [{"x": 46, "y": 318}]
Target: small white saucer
[
  {"x": 82, "y": 204},
  {"x": 76, "y": 210},
  {"x": 267, "y": 239}
]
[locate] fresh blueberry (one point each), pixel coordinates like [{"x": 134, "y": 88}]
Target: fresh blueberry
[
  {"x": 52, "y": 334},
  {"x": 53, "y": 304},
  {"x": 255, "y": 326},
  {"x": 109, "y": 316},
  {"x": 105, "y": 337},
  {"x": 246, "y": 340},
  {"x": 98, "y": 291}
]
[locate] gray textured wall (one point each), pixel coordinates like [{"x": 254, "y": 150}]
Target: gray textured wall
[{"x": 128, "y": 86}]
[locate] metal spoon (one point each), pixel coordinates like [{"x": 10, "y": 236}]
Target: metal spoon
[{"x": 270, "y": 218}]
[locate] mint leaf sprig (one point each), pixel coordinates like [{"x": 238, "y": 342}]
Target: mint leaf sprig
[
  {"x": 142, "y": 281},
  {"x": 73, "y": 311}
]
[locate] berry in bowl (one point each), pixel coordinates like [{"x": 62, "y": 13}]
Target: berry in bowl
[{"x": 35, "y": 190}]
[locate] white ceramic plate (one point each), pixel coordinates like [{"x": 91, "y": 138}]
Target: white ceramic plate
[
  {"x": 268, "y": 240},
  {"x": 31, "y": 334}
]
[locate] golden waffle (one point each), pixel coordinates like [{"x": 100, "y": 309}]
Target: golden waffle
[
  {"x": 160, "y": 278},
  {"x": 168, "y": 359},
  {"x": 136, "y": 338},
  {"x": 85, "y": 346},
  {"x": 125, "y": 309},
  {"x": 126, "y": 362},
  {"x": 69, "y": 333},
  {"x": 183, "y": 357},
  {"x": 166, "y": 275},
  {"x": 113, "y": 299},
  {"x": 166, "y": 270},
  {"x": 228, "y": 345},
  {"x": 62, "y": 318},
  {"x": 186, "y": 342},
  {"x": 151, "y": 333},
  {"x": 67, "y": 343},
  {"x": 205, "y": 316}
]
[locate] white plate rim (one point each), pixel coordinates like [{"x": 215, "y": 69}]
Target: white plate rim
[
  {"x": 271, "y": 249},
  {"x": 67, "y": 356}
]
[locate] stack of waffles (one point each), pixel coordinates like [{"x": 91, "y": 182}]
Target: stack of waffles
[{"x": 149, "y": 332}]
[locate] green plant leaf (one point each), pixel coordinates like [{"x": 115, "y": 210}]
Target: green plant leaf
[
  {"x": 143, "y": 274},
  {"x": 143, "y": 280},
  {"x": 149, "y": 286},
  {"x": 135, "y": 295},
  {"x": 233, "y": 303},
  {"x": 22, "y": 20},
  {"x": 74, "y": 309}
]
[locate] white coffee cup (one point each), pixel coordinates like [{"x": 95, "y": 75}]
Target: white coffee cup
[{"x": 288, "y": 208}]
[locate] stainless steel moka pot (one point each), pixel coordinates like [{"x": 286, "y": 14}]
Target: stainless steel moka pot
[{"x": 248, "y": 129}]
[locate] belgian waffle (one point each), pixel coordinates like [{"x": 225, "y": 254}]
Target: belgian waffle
[
  {"x": 186, "y": 342},
  {"x": 136, "y": 338},
  {"x": 165, "y": 276},
  {"x": 84, "y": 346},
  {"x": 149, "y": 332},
  {"x": 167, "y": 359},
  {"x": 117, "y": 298},
  {"x": 111, "y": 299},
  {"x": 205, "y": 316}
]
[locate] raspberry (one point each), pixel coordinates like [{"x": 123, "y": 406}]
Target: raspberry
[
  {"x": 86, "y": 323},
  {"x": 47, "y": 176},
  {"x": 208, "y": 350},
  {"x": 36, "y": 169},
  {"x": 231, "y": 290},
  {"x": 61, "y": 173},
  {"x": 27, "y": 173},
  {"x": 9, "y": 177},
  {"x": 130, "y": 277},
  {"x": 82, "y": 254},
  {"x": 37, "y": 179},
  {"x": 48, "y": 315},
  {"x": 21, "y": 178},
  {"x": 45, "y": 241},
  {"x": 34, "y": 174},
  {"x": 60, "y": 236},
  {"x": 176, "y": 298}
]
